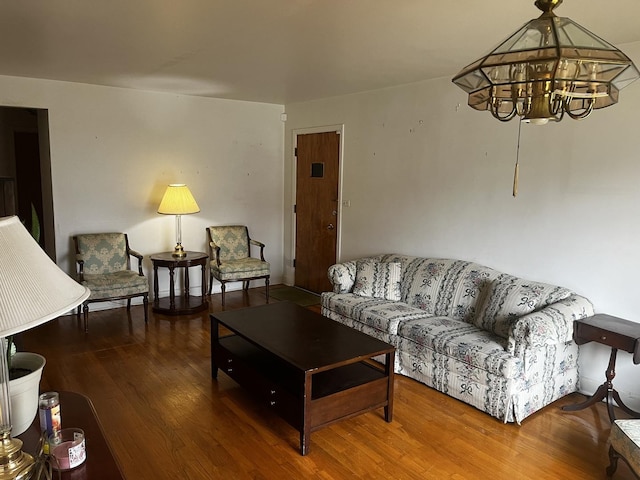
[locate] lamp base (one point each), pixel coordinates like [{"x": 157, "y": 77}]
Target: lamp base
[
  {"x": 178, "y": 252},
  {"x": 14, "y": 463}
]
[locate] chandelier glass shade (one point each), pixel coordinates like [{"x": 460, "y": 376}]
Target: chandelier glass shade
[{"x": 549, "y": 67}]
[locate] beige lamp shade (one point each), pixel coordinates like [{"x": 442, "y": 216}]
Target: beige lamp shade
[
  {"x": 33, "y": 289},
  {"x": 178, "y": 200}
]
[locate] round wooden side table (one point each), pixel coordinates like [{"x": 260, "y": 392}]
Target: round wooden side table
[{"x": 185, "y": 303}]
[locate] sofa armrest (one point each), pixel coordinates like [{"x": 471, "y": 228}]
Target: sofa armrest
[
  {"x": 551, "y": 325},
  {"x": 342, "y": 276}
]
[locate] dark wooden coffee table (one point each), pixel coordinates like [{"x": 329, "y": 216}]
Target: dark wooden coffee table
[{"x": 309, "y": 369}]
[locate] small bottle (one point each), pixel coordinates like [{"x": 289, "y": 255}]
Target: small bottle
[{"x": 49, "y": 407}]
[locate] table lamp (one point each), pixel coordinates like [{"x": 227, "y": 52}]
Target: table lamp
[
  {"x": 178, "y": 201},
  {"x": 33, "y": 290}
]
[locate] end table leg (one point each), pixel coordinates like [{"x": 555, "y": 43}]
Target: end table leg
[
  {"x": 155, "y": 283},
  {"x": 621, "y": 404},
  {"x": 172, "y": 291},
  {"x": 612, "y": 415},
  {"x": 186, "y": 282},
  {"x": 203, "y": 281}
]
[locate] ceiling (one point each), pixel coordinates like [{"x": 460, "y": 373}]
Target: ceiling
[{"x": 273, "y": 51}]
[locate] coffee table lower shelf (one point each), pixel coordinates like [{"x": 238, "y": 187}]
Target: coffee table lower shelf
[{"x": 308, "y": 401}]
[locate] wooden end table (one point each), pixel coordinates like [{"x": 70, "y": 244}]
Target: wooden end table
[
  {"x": 619, "y": 334},
  {"x": 77, "y": 411},
  {"x": 184, "y": 304}
]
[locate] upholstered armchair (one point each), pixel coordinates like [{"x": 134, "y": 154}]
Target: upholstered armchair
[
  {"x": 230, "y": 258},
  {"x": 104, "y": 265}
]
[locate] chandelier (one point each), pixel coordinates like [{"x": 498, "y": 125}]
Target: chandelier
[{"x": 549, "y": 67}]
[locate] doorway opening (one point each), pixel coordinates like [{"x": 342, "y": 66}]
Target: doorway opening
[{"x": 25, "y": 172}]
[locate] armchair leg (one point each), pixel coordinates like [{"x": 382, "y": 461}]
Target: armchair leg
[
  {"x": 128, "y": 304},
  {"x": 85, "y": 311},
  {"x": 222, "y": 288},
  {"x": 266, "y": 285},
  {"x": 613, "y": 462},
  {"x": 245, "y": 284},
  {"x": 145, "y": 303},
  {"x": 210, "y": 282}
]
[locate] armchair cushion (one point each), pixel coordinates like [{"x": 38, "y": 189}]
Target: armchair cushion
[
  {"x": 240, "y": 268},
  {"x": 116, "y": 284},
  {"x": 624, "y": 439},
  {"x": 233, "y": 241},
  {"x": 103, "y": 252}
]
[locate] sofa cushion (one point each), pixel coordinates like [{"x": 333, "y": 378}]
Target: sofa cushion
[
  {"x": 461, "y": 341},
  {"x": 508, "y": 298},
  {"x": 378, "y": 279},
  {"x": 377, "y": 313},
  {"x": 451, "y": 288}
]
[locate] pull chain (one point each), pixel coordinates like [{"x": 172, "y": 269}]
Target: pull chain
[{"x": 517, "y": 169}]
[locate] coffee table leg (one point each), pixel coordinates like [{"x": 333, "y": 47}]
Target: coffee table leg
[
  {"x": 388, "y": 370},
  {"x": 214, "y": 346},
  {"x": 305, "y": 431},
  {"x": 305, "y": 438}
]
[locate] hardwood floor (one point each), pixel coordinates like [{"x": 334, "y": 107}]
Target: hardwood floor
[{"x": 165, "y": 418}]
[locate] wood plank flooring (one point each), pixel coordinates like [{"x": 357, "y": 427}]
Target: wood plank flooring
[{"x": 165, "y": 418}]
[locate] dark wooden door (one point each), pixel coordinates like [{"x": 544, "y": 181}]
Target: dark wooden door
[{"x": 316, "y": 209}]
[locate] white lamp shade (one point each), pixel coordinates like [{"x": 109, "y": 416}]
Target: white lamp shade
[
  {"x": 178, "y": 200},
  {"x": 33, "y": 289}
]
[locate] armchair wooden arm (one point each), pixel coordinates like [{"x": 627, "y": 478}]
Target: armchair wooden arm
[
  {"x": 80, "y": 262},
  {"x": 137, "y": 255},
  {"x": 214, "y": 252},
  {"x": 258, "y": 244}
]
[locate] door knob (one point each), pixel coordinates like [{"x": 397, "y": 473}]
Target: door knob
[{"x": 330, "y": 226}]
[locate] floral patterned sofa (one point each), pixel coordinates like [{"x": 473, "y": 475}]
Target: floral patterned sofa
[{"x": 500, "y": 343}]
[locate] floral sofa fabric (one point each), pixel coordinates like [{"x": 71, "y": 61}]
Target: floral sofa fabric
[{"x": 498, "y": 342}]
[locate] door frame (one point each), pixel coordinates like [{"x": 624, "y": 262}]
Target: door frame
[{"x": 339, "y": 129}]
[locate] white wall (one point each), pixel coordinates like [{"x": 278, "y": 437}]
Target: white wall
[
  {"x": 113, "y": 152},
  {"x": 427, "y": 175}
]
